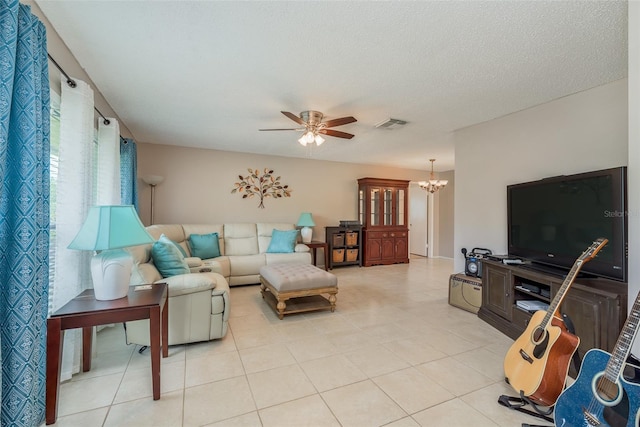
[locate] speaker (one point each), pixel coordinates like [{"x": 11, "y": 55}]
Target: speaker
[
  {"x": 465, "y": 292},
  {"x": 473, "y": 261},
  {"x": 473, "y": 266}
]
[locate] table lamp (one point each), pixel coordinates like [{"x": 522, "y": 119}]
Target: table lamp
[
  {"x": 108, "y": 229},
  {"x": 305, "y": 221}
]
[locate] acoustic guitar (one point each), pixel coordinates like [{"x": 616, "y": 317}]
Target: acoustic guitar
[
  {"x": 537, "y": 363},
  {"x": 600, "y": 396}
]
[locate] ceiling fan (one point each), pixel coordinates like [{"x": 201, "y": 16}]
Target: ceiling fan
[{"x": 314, "y": 126}]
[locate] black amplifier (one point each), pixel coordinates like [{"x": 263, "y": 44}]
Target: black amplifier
[{"x": 473, "y": 261}]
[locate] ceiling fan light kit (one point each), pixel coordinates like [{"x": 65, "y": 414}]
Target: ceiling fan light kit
[
  {"x": 314, "y": 126},
  {"x": 309, "y": 138}
]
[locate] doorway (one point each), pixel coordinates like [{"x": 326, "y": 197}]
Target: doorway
[{"x": 420, "y": 240}]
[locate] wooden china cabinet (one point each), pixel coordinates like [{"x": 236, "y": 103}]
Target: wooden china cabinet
[{"x": 383, "y": 212}]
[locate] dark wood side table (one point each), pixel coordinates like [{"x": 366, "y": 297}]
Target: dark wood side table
[
  {"x": 85, "y": 312},
  {"x": 315, "y": 244}
]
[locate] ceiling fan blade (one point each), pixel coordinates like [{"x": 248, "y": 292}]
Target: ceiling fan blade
[
  {"x": 294, "y": 118},
  {"x": 335, "y": 133},
  {"x": 339, "y": 122},
  {"x": 298, "y": 129}
]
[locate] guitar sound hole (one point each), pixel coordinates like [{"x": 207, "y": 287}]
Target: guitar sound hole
[
  {"x": 541, "y": 347},
  {"x": 607, "y": 390},
  {"x": 539, "y": 334}
]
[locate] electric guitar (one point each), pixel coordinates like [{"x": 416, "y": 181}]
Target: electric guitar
[
  {"x": 537, "y": 363},
  {"x": 600, "y": 396}
]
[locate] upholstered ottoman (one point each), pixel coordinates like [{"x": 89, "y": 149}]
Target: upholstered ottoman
[{"x": 297, "y": 288}]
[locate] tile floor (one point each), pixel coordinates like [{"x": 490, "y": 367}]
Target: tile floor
[{"x": 394, "y": 353}]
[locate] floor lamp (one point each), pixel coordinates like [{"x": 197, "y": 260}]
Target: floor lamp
[{"x": 152, "y": 181}]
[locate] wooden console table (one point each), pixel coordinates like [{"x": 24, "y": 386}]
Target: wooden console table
[{"x": 85, "y": 312}]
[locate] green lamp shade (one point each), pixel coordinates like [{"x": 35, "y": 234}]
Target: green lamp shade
[
  {"x": 111, "y": 227},
  {"x": 306, "y": 220}
]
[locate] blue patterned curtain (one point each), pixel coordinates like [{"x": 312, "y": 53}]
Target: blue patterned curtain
[
  {"x": 128, "y": 172},
  {"x": 24, "y": 213}
]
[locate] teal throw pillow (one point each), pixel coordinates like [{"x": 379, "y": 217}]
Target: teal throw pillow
[
  {"x": 204, "y": 246},
  {"x": 168, "y": 259},
  {"x": 282, "y": 242},
  {"x": 165, "y": 239}
]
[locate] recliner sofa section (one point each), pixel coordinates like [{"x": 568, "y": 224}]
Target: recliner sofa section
[{"x": 199, "y": 302}]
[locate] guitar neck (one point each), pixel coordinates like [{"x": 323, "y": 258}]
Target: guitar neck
[
  {"x": 557, "y": 300},
  {"x": 623, "y": 345}
]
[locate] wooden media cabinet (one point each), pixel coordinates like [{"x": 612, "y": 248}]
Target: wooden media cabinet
[{"x": 597, "y": 307}]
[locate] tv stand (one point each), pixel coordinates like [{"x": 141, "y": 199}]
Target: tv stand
[
  {"x": 554, "y": 271},
  {"x": 597, "y": 307},
  {"x": 545, "y": 269}
]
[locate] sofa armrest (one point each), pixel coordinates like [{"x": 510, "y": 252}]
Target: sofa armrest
[
  {"x": 223, "y": 290},
  {"x": 190, "y": 283},
  {"x": 193, "y": 262},
  {"x": 301, "y": 247},
  {"x": 208, "y": 266}
]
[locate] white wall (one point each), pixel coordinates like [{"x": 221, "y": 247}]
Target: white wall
[
  {"x": 198, "y": 183},
  {"x": 578, "y": 133},
  {"x": 446, "y": 208}
]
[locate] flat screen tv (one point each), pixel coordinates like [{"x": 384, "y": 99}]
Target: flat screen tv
[{"x": 553, "y": 220}]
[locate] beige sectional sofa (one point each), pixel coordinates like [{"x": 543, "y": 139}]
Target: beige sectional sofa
[{"x": 199, "y": 301}]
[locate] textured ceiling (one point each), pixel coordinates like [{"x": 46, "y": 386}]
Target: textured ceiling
[{"x": 210, "y": 74}]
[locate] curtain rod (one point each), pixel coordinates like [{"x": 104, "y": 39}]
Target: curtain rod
[{"x": 72, "y": 83}]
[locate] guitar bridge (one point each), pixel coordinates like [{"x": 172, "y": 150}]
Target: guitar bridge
[
  {"x": 525, "y": 356},
  {"x": 590, "y": 418}
]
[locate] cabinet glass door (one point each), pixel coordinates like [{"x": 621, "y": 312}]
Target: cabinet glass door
[
  {"x": 375, "y": 206},
  {"x": 400, "y": 208},
  {"x": 388, "y": 207}
]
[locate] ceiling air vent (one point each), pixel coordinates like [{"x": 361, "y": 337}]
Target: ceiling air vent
[{"x": 391, "y": 124}]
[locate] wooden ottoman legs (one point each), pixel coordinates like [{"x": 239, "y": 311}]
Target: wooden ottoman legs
[
  {"x": 302, "y": 300},
  {"x": 281, "y": 305}
]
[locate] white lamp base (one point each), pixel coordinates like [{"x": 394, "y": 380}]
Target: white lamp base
[
  {"x": 306, "y": 233},
  {"x": 111, "y": 272}
]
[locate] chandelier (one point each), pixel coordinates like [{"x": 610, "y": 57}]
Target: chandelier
[{"x": 433, "y": 184}]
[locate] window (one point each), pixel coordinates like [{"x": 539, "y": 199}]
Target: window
[{"x": 53, "y": 175}]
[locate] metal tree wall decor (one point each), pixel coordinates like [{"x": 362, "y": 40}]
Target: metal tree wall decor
[{"x": 262, "y": 186}]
